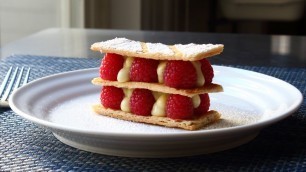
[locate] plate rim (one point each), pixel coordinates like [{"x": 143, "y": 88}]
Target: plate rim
[{"x": 220, "y": 131}]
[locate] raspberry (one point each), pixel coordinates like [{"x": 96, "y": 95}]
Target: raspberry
[
  {"x": 141, "y": 102},
  {"x": 110, "y": 66},
  {"x": 111, "y": 97},
  {"x": 144, "y": 70},
  {"x": 207, "y": 71},
  {"x": 179, "y": 107},
  {"x": 180, "y": 74},
  {"x": 204, "y": 105}
]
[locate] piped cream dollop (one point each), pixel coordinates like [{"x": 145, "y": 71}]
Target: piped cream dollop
[
  {"x": 124, "y": 73},
  {"x": 196, "y": 100},
  {"x": 160, "y": 71},
  {"x": 200, "y": 76},
  {"x": 159, "y": 107},
  {"x": 125, "y": 103}
]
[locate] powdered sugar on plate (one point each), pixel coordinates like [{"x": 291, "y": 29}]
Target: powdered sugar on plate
[{"x": 77, "y": 113}]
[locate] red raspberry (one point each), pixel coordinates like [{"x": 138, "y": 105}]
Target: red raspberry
[
  {"x": 141, "y": 102},
  {"x": 179, "y": 107},
  {"x": 110, "y": 66},
  {"x": 111, "y": 97},
  {"x": 144, "y": 70},
  {"x": 207, "y": 71},
  {"x": 180, "y": 74},
  {"x": 204, "y": 105}
]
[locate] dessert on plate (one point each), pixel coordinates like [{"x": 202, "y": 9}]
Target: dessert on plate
[{"x": 158, "y": 84}]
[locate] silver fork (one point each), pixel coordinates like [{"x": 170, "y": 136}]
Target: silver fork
[{"x": 12, "y": 82}]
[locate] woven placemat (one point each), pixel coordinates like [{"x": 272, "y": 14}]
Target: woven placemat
[{"x": 27, "y": 147}]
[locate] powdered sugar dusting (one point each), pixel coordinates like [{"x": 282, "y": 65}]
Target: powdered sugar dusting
[
  {"x": 159, "y": 48},
  {"x": 233, "y": 116},
  {"x": 122, "y": 44},
  {"x": 194, "y": 49},
  {"x": 182, "y": 51}
]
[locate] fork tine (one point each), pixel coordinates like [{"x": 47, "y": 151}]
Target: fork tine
[
  {"x": 18, "y": 79},
  {"x": 9, "y": 87},
  {"x": 26, "y": 77},
  {"x": 5, "y": 81}
]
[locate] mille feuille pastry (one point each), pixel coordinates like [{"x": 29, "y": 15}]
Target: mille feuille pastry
[{"x": 156, "y": 83}]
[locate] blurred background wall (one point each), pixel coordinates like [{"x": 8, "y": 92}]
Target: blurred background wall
[{"x": 19, "y": 18}]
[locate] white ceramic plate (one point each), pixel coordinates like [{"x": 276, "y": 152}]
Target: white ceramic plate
[{"x": 62, "y": 103}]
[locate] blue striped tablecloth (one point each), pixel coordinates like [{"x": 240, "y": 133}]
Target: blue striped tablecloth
[{"x": 27, "y": 147}]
